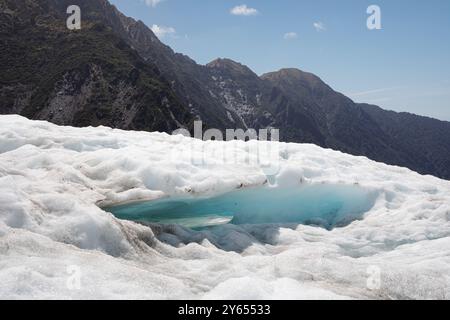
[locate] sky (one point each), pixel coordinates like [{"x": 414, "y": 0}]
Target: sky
[{"x": 404, "y": 66}]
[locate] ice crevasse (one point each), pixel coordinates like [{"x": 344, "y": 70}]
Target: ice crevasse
[{"x": 322, "y": 226}]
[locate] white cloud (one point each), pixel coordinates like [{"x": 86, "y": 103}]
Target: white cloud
[
  {"x": 161, "y": 31},
  {"x": 152, "y": 3},
  {"x": 374, "y": 91},
  {"x": 290, "y": 36},
  {"x": 243, "y": 10},
  {"x": 319, "y": 26}
]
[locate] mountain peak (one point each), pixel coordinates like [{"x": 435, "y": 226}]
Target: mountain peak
[
  {"x": 294, "y": 79},
  {"x": 229, "y": 65},
  {"x": 292, "y": 74}
]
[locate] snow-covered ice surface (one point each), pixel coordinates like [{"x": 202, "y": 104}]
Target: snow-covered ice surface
[{"x": 53, "y": 181}]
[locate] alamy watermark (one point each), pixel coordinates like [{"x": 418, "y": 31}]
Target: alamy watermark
[
  {"x": 266, "y": 134},
  {"x": 73, "y": 281},
  {"x": 74, "y": 20},
  {"x": 374, "y": 20},
  {"x": 231, "y": 147},
  {"x": 373, "y": 282}
]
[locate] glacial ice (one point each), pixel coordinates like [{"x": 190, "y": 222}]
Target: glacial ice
[
  {"x": 327, "y": 206},
  {"x": 55, "y": 180}
]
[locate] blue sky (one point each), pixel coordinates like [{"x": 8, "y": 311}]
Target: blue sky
[{"x": 404, "y": 66}]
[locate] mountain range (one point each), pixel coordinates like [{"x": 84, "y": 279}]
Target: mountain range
[{"x": 116, "y": 72}]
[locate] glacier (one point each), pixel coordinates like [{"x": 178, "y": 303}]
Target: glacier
[{"x": 56, "y": 184}]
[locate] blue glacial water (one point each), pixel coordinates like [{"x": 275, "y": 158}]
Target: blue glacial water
[{"x": 323, "y": 205}]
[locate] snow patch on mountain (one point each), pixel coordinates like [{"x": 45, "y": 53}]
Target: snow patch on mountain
[{"x": 234, "y": 99}]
